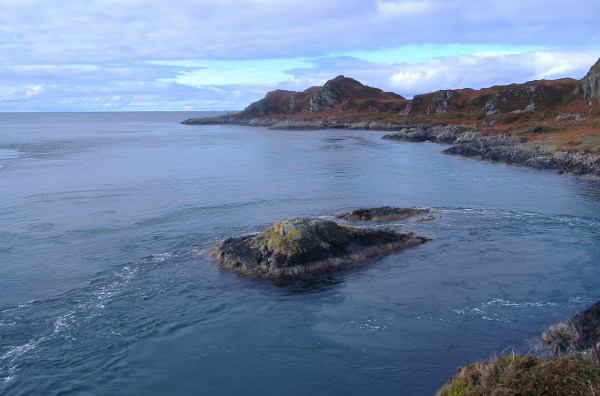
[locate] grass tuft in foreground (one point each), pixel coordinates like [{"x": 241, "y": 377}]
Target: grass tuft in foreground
[{"x": 518, "y": 374}]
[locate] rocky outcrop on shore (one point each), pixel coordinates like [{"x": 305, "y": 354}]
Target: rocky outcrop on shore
[
  {"x": 501, "y": 148},
  {"x": 573, "y": 370},
  {"x": 580, "y": 333},
  {"x": 591, "y": 83},
  {"x": 381, "y": 213},
  {"x": 428, "y": 132},
  {"x": 303, "y": 245}
]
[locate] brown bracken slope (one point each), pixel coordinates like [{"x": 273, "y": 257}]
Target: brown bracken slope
[{"x": 564, "y": 113}]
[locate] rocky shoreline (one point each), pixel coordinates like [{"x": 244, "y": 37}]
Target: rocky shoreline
[
  {"x": 293, "y": 124},
  {"x": 578, "y": 334},
  {"x": 469, "y": 144},
  {"x": 501, "y": 148},
  {"x": 563, "y": 112},
  {"x": 573, "y": 368}
]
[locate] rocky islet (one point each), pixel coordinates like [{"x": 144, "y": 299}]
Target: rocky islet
[{"x": 304, "y": 245}]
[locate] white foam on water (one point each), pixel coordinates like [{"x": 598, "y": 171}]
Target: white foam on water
[
  {"x": 9, "y": 154},
  {"x": 370, "y": 325},
  {"x": 20, "y": 306},
  {"x": 14, "y": 355},
  {"x": 9, "y": 361},
  {"x": 503, "y": 310}
]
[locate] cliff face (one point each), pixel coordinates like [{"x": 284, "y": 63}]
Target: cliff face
[
  {"x": 531, "y": 96},
  {"x": 591, "y": 83}
]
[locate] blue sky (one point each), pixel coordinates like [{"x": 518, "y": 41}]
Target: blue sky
[{"x": 114, "y": 55}]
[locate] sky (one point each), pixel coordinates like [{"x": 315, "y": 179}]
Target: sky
[{"x": 171, "y": 55}]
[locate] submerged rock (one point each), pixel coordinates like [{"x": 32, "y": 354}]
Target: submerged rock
[
  {"x": 581, "y": 333},
  {"x": 302, "y": 245},
  {"x": 382, "y": 213}
]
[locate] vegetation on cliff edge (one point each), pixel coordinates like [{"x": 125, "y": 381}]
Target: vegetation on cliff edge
[{"x": 518, "y": 374}]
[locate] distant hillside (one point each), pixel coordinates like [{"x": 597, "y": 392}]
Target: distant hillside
[
  {"x": 340, "y": 95},
  {"x": 564, "y": 113}
]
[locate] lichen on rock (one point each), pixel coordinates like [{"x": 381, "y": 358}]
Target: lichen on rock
[{"x": 303, "y": 245}]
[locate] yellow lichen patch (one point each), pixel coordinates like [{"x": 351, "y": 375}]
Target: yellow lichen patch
[{"x": 298, "y": 235}]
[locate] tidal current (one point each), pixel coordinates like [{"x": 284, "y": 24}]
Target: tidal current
[{"x": 105, "y": 287}]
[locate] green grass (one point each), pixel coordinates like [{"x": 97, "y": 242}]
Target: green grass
[{"x": 518, "y": 374}]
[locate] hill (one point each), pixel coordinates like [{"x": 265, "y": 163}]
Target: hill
[{"x": 563, "y": 114}]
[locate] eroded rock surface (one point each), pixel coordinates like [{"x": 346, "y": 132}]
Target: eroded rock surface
[
  {"x": 501, "y": 148},
  {"x": 591, "y": 83},
  {"x": 382, "y": 213},
  {"x": 581, "y": 333},
  {"x": 303, "y": 245}
]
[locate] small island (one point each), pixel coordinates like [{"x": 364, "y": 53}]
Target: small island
[{"x": 304, "y": 245}]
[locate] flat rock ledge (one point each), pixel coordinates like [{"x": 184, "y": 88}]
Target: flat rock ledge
[
  {"x": 303, "y": 245},
  {"x": 381, "y": 213},
  {"x": 581, "y": 333},
  {"x": 501, "y": 148}
]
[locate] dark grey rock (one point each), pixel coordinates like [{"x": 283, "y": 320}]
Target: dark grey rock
[
  {"x": 581, "y": 333},
  {"x": 436, "y": 133},
  {"x": 301, "y": 245},
  {"x": 503, "y": 148},
  {"x": 381, "y": 213}
]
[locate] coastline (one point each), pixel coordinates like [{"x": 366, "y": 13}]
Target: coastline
[
  {"x": 502, "y": 148},
  {"x": 542, "y": 124},
  {"x": 465, "y": 142}
]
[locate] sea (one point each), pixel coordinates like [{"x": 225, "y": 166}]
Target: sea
[{"x": 105, "y": 287}]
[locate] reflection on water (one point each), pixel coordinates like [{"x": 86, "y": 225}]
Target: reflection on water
[
  {"x": 315, "y": 283},
  {"x": 589, "y": 189}
]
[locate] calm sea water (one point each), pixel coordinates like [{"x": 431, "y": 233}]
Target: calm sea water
[{"x": 105, "y": 289}]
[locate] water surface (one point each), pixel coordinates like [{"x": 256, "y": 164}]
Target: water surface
[{"x": 105, "y": 287}]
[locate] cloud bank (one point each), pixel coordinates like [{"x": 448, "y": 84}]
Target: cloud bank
[{"x": 80, "y": 55}]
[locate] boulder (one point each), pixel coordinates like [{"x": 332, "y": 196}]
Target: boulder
[
  {"x": 382, "y": 213},
  {"x": 581, "y": 333},
  {"x": 303, "y": 245},
  {"x": 436, "y": 133}
]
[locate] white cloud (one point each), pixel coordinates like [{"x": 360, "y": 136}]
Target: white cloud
[
  {"x": 83, "y": 31},
  {"x": 491, "y": 68},
  {"x": 403, "y": 8},
  {"x": 19, "y": 92},
  {"x": 67, "y": 53},
  {"x": 213, "y": 73}
]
